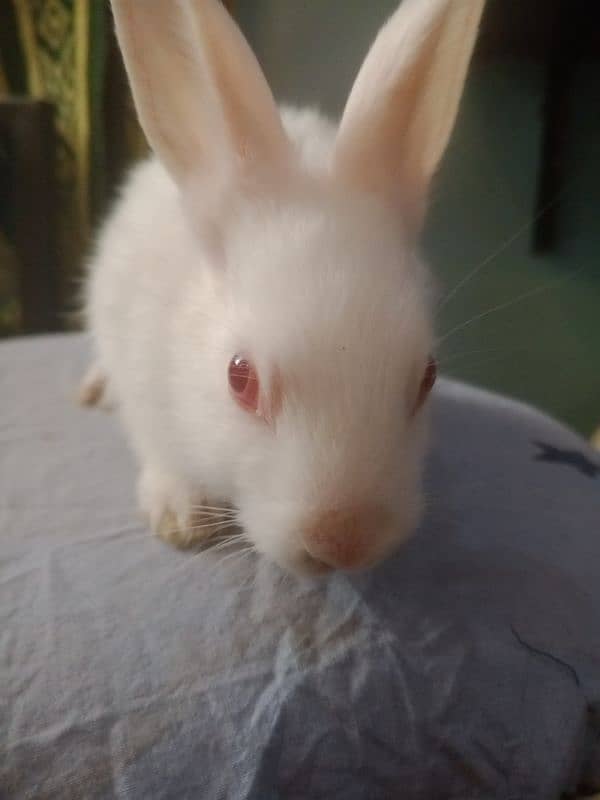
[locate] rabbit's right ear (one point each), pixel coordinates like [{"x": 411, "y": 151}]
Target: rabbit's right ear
[
  {"x": 402, "y": 107},
  {"x": 200, "y": 94}
]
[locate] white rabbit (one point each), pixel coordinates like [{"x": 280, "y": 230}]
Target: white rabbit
[{"x": 258, "y": 309}]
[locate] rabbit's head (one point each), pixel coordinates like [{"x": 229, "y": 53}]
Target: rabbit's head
[{"x": 321, "y": 366}]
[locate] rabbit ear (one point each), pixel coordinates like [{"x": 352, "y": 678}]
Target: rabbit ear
[
  {"x": 200, "y": 94},
  {"x": 402, "y": 107},
  {"x": 248, "y": 104}
]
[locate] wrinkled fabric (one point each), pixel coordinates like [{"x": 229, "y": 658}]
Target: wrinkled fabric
[{"x": 465, "y": 667}]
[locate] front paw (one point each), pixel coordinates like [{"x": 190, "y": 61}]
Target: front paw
[
  {"x": 174, "y": 516},
  {"x": 95, "y": 390},
  {"x": 188, "y": 531}
]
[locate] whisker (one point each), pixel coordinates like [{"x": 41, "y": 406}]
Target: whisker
[
  {"x": 212, "y": 508},
  {"x": 212, "y": 514},
  {"x": 502, "y": 306},
  {"x": 452, "y": 357},
  {"x": 504, "y": 246},
  {"x": 204, "y": 553},
  {"x": 231, "y": 541},
  {"x": 238, "y": 553},
  {"x": 211, "y": 524},
  {"x": 219, "y": 526},
  {"x": 242, "y": 553}
]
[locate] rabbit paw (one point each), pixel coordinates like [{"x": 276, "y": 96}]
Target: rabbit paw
[
  {"x": 173, "y": 515},
  {"x": 94, "y": 389}
]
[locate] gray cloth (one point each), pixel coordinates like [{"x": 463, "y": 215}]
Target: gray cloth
[{"x": 468, "y": 666}]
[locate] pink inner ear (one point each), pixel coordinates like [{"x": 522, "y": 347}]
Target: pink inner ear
[{"x": 427, "y": 382}]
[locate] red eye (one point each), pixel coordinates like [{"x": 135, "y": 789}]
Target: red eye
[
  {"x": 427, "y": 382},
  {"x": 243, "y": 383}
]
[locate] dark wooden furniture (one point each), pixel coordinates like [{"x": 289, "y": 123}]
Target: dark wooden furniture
[
  {"x": 28, "y": 203},
  {"x": 561, "y": 35},
  {"x": 569, "y": 44}
]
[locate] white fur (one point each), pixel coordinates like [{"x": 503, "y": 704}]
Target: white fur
[{"x": 313, "y": 277}]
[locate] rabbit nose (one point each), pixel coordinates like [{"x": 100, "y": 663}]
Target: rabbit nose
[{"x": 346, "y": 538}]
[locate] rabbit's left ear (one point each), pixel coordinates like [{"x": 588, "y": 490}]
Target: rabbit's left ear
[
  {"x": 251, "y": 115},
  {"x": 200, "y": 94},
  {"x": 402, "y": 107}
]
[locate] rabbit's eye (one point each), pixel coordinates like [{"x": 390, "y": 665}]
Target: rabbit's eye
[
  {"x": 427, "y": 382},
  {"x": 243, "y": 383}
]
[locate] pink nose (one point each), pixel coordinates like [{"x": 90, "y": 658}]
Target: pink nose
[{"x": 346, "y": 538}]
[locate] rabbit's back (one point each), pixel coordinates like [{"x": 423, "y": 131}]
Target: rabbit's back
[{"x": 134, "y": 269}]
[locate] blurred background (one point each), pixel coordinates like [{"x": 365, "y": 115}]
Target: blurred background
[{"x": 513, "y": 235}]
